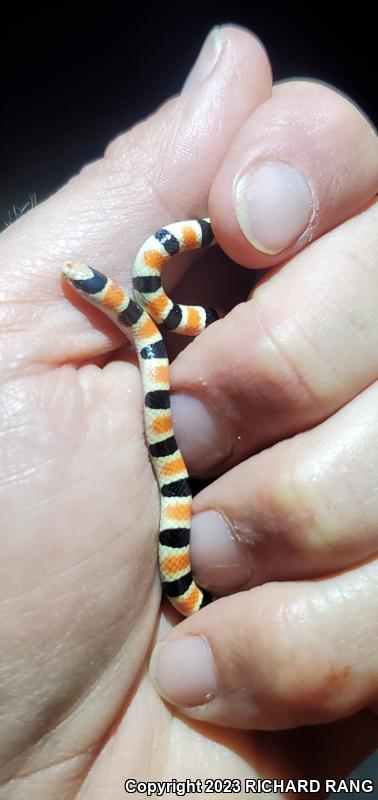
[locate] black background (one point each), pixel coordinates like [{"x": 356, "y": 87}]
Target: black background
[{"x": 71, "y": 83}]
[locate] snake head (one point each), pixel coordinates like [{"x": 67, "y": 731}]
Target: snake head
[{"x": 83, "y": 278}]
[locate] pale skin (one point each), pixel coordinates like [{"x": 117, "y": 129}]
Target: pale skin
[{"x": 294, "y": 371}]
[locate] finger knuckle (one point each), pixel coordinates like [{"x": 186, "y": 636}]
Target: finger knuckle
[
  {"x": 299, "y": 506},
  {"x": 286, "y": 360},
  {"x": 307, "y": 683}
]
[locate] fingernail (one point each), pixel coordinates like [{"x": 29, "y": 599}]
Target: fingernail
[
  {"x": 199, "y": 433},
  {"x": 218, "y": 560},
  {"x": 207, "y": 59},
  {"x": 274, "y": 205},
  {"x": 183, "y": 671}
]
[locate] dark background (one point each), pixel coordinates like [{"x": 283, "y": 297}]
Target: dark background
[{"x": 71, "y": 83}]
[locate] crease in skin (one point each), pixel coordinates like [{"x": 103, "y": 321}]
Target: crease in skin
[
  {"x": 158, "y": 720},
  {"x": 51, "y": 579},
  {"x": 148, "y": 592},
  {"x": 59, "y": 762},
  {"x": 75, "y": 709},
  {"x": 273, "y": 337}
]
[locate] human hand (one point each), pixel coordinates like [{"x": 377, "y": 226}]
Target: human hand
[
  {"x": 286, "y": 409},
  {"x": 82, "y": 595}
]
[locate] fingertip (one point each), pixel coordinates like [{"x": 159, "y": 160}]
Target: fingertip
[
  {"x": 288, "y": 176},
  {"x": 183, "y": 671},
  {"x": 220, "y": 563}
]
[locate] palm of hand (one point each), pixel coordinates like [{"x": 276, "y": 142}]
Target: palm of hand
[
  {"x": 81, "y": 590},
  {"x": 79, "y": 583}
]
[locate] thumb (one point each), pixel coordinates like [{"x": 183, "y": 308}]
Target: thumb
[{"x": 159, "y": 171}]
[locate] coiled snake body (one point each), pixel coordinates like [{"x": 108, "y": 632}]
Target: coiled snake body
[{"x": 137, "y": 319}]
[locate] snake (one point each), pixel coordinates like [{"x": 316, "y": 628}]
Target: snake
[{"x": 139, "y": 317}]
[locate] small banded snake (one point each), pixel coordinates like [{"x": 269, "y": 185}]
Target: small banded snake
[{"x": 138, "y": 318}]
